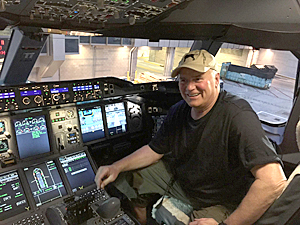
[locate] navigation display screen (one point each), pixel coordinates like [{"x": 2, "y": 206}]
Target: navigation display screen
[
  {"x": 116, "y": 118},
  {"x": 91, "y": 123},
  {"x": 12, "y": 197},
  {"x": 32, "y": 136},
  {"x": 78, "y": 169},
  {"x": 45, "y": 182}
]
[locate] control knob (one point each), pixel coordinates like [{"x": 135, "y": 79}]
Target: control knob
[
  {"x": 89, "y": 96},
  {"x": 56, "y": 97},
  {"x": 38, "y": 99},
  {"x": 79, "y": 98},
  {"x": 26, "y": 101},
  {"x": 69, "y": 127},
  {"x": 11, "y": 107},
  {"x": 7, "y": 134},
  {"x": 98, "y": 93}
]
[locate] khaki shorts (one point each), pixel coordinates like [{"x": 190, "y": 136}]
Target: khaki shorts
[{"x": 136, "y": 185}]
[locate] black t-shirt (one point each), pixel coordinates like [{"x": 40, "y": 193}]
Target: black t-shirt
[{"x": 212, "y": 157}]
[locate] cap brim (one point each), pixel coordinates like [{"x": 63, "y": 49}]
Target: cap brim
[{"x": 176, "y": 71}]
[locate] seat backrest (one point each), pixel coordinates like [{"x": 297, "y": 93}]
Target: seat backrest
[
  {"x": 286, "y": 209},
  {"x": 298, "y": 134}
]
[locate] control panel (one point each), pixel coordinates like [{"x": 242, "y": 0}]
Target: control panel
[
  {"x": 8, "y": 100},
  {"x": 38, "y": 95},
  {"x": 87, "y": 90},
  {"x": 111, "y": 11},
  {"x": 7, "y": 144},
  {"x": 65, "y": 128},
  {"x": 57, "y": 190},
  {"x": 53, "y": 136}
]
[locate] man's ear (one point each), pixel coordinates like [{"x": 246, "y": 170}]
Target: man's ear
[{"x": 217, "y": 77}]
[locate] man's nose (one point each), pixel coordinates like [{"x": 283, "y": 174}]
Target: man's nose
[{"x": 190, "y": 85}]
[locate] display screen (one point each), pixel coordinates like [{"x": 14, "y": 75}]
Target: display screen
[
  {"x": 7, "y": 95},
  {"x": 3, "y": 47},
  {"x": 30, "y": 93},
  {"x": 12, "y": 198},
  {"x": 59, "y": 90},
  {"x": 2, "y": 127},
  {"x": 78, "y": 169},
  {"x": 45, "y": 182},
  {"x": 83, "y": 88},
  {"x": 116, "y": 118},
  {"x": 91, "y": 123},
  {"x": 32, "y": 136},
  {"x": 3, "y": 145}
]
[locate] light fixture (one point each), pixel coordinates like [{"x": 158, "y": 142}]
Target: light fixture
[
  {"x": 116, "y": 15},
  {"x": 83, "y": 9},
  {"x": 51, "y": 17},
  {"x": 100, "y": 4},
  {"x": 46, "y": 11},
  {"x": 32, "y": 14},
  {"x": 132, "y": 20},
  {"x": 36, "y": 9},
  {"x": 95, "y": 12},
  {"x": 2, "y": 6}
]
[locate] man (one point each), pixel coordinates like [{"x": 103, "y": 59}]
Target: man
[{"x": 213, "y": 145}]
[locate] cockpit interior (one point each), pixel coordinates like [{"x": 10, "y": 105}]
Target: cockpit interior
[{"x": 55, "y": 134}]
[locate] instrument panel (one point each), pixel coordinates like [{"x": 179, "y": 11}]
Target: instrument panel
[
  {"x": 53, "y": 136},
  {"x": 28, "y": 96}
]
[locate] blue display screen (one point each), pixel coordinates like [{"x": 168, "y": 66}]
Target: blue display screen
[
  {"x": 91, "y": 123},
  {"x": 32, "y": 136},
  {"x": 83, "y": 88},
  {"x": 7, "y": 95},
  {"x": 59, "y": 90},
  {"x": 30, "y": 93},
  {"x": 116, "y": 118}
]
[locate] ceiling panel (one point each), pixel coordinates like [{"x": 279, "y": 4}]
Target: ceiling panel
[{"x": 261, "y": 23}]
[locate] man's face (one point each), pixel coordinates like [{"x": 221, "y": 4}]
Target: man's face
[{"x": 199, "y": 90}]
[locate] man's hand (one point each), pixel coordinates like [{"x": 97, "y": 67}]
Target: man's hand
[
  {"x": 204, "y": 221},
  {"x": 106, "y": 175},
  {"x": 142, "y": 157}
]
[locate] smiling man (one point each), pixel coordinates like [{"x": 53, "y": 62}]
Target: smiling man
[{"x": 215, "y": 154}]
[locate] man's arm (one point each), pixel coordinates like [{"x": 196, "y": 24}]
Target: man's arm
[
  {"x": 267, "y": 187},
  {"x": 142, "y": 157}
]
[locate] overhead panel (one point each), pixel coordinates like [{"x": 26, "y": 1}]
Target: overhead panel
[
  {"x": 96, "y": 13},
  {"x": 272, "y": 23}
]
